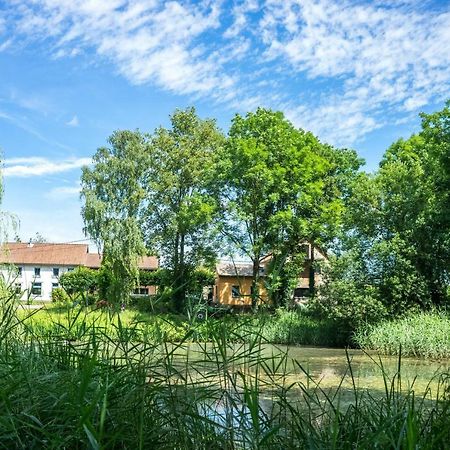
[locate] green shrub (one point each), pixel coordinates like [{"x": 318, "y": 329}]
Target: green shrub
[
  {"x": 59, "y": 295},
  {"x": 345, "y": 298},
  {"x": 79, "y": 281},
  {"x": 297, "y": 327}
]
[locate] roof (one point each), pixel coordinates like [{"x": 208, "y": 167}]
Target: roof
[
  {"x": 51, "y": 254},
  {"x": 59, "y": 255},
  {"x": 232, "y": 269},
  {"x": 245, "y": 269},
  {"x": 93, "y": 260}
]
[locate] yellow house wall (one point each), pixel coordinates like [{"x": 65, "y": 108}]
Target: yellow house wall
[{"x": 224, "y": 286}]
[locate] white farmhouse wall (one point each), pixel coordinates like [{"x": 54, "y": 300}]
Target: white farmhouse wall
[{"x": 27, "y": 278}]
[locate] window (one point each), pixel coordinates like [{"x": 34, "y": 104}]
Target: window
[
  {"x": 19, "y": 271},
  {"x": 18, "y": 288},
  {"x": 37, "y": 272},
  {"x": 36, "y": 288},
  {"x": 141, "y": 291},
  {"x": 301, "y": 292},
  {"x": 235, "y": 291},
  {"x": 55, "y": 272},
  {"x": 55, "y": 285},
  {"x": 69, "y": 269}
]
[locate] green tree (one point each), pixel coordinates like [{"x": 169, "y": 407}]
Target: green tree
[
  {"x": 282, "y": 188},
  {"x": 154, "y": 191},
  {"x": 113, "y": 190},
  {"x": 180, "y": 205},
  {"x": 399, "y": 219}
]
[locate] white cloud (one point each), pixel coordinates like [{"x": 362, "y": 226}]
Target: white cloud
[
  {"x": 36, "y": 166},
  {"x": 63, "y": 192},
  {"x": 148, "y": 41},
  {"x": 380, "y": 58},
  {"x": 73, "y": 122},
  {"x": 340, "y": 67},
  {"x": 240, "y": 17},
  {"x": 5, "y": 44}
]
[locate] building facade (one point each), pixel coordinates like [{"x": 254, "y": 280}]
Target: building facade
[
  {"x": 34, "y": 269},
  {"x": 233, "y": 286}
]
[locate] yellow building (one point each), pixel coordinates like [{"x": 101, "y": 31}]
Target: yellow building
[{"x": 233, "y": 284}]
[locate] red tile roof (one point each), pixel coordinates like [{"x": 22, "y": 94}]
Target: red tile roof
[
  {"x": 93, "y": 260},
  {"x": 58, "y": 255}
]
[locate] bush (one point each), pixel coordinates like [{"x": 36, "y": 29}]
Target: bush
[
  {"x": 297, "y": 327},
  {"x": 79, "y": 281},
  {"x": 59, "y": 295},
  {"x": 346, "y": 298}
]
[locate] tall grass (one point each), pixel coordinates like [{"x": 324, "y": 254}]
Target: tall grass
[
  {"x": 284, "y": 327},
  {"x": 89, "y": 387},
  {"x": 421, "y": 334}
]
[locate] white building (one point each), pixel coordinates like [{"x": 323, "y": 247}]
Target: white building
[{"x": 34, "y": 269}]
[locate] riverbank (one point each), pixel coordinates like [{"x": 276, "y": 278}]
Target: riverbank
[
  {"x": 425, "y": 335},
  {"x": 282, "y": 327}
]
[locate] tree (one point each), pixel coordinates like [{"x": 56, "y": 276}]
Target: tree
[
  {"x": 38, "y": 239},
  {"x": 282, "y": 188},
  {"x": 113, "y": 191},
  {"x": 154, "y": 192},
  {"x": 180, "y": 205},
  {"x": 399, "y": 219}
]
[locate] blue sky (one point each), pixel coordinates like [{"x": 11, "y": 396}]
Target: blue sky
[{"x": 72, "y": 71}]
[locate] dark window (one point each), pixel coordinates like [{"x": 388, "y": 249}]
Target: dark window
[
  {"x": 301, "y": 292},
  {"x": 235, "y": 291},
  {"x": 69, "y": 269},
  {"x": 36, "y": 288},
  {"x": 37, "y": 272},
  {"x": 19, "y": 271},
  {"x": 55, "y": 285},
  {"x": 141, "y": 291},
  {"x": 56, "y": 271}
]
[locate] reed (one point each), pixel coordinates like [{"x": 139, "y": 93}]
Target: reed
[
  {"x": 423, "y": 334},
  {"x": 104, "y": 384}
]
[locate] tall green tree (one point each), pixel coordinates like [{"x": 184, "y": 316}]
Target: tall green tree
[
  {"x": 180, "y": 201},
  {"x": 113, "y": 190},
  {"x": 282, "y": 188},
  {"x": 399, "y": 221}
]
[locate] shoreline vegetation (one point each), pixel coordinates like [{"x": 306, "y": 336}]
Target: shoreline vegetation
[
  {"x": 80, "y": 385},
  {"x": 419, "y": 334}
]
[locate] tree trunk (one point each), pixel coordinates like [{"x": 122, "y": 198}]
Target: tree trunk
[
  {"x": 255, "y": 282},
  {"x": 176, "y": 275},
  {"x": 312, "y": 273}
]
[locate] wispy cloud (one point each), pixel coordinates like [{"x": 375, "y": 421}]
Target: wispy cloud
[
  {"x": 36, "y": 166},
  {"x": 24, "y": 124},
  {"x": 149, "y": 41},
  {"x": 73, "y": 122},
  {"x": 5, "y": 44},
  {"x": 63, "y": 192},
  {"x": 339, "y": 67},
  {"x": 381, "y": 59}
]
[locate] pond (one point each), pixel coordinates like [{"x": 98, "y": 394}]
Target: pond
[
  {"x": 328, "y": 373},
  {"x": 329, "y": 368}
]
